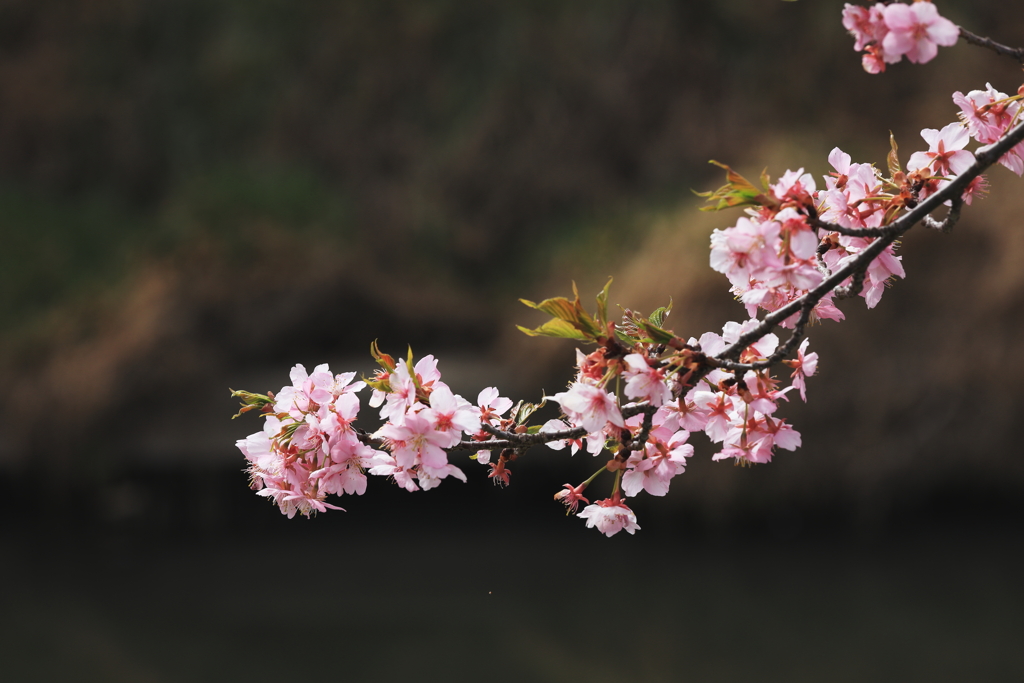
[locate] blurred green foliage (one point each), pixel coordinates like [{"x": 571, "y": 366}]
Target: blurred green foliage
[
  {"x": 477, "y": 143},
  {"x": 56, "y": 250}
]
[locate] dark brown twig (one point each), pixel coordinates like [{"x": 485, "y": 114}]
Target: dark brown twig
[
  {"x": 849, "y": 232},
  {"x": 1000, "y": 49}
]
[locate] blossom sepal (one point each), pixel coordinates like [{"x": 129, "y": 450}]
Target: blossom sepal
[{"x": 251, "y": 401}]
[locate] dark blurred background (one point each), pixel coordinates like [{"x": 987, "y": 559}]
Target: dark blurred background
[{"x": 197, "y": 194}]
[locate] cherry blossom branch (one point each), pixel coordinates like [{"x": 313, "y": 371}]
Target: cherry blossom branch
[
  {"x": 855, "y": 287},
  {"x": 947, "y": 223},
  {"x": 513, "y": 440},
  {"x": 780, "y": 252},
  {"x": 780, "y": 353},
  {"x": 640, "y": 439},
  {"x": 1000, "y": 49},
  {"x": 843, "y": 230},
  {"x": 984, "y": 157},
  {"x": 819, "y": 259}
]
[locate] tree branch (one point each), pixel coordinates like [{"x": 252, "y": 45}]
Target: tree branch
[
  {"x": 1000, "y": 49},
  {"x": 842, "y": 230}
]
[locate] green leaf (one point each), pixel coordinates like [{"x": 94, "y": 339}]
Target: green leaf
[
  {"x": 558, "y": 307},
  {"x": 656, "y": 333},
  {"x": 625, "y": 338},
  {"x": 602, "y": 305},
  {"x": 571, "y": 312},
  {"x": 555, "y": 328},
  {"x": 737, "y": 191},
  {"x": 658, "y": 317},
  {"x": 522, "y": 411}
]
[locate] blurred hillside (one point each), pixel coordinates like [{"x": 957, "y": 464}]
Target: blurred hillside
[{"x": 199, "y": 194}]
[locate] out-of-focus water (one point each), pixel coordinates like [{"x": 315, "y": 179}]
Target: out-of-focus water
[{"x": 448, "y": 596}]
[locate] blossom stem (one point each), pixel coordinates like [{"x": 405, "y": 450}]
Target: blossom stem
[
  {"x": 593, "y": 476},
  {"x": 618, "y": 478}
]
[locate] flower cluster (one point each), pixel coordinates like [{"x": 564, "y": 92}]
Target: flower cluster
[
  {"x": 651, "y": 446},
  {"x": 887, "y": 33},
  {"x": 987, "y": 115},
  {"x": 857, "y": 196},
  {"x": 781, "y": 249},
  {"x": 770, "y": 255},
  {"x": 774, "y": 255},
  {"x": 309, "y": 449}
]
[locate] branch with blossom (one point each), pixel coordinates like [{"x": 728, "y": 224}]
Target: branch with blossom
[{"x": 643, "y": 390}]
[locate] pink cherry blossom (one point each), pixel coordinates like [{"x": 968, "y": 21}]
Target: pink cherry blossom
[
  {"x": 652, "y": 469},
  {"x": 684, "y": 413},
  {"x": 799, "y": 237},
  {"x": 492, "y": 406},
  {"x": 977, "y": 188},
  {"x": 886, "y": 266},
  {"x": 500, "y": 474},
  {"x": 743, "y": 251},
  {"x": 645, "y": 382},
  {"x": 946, "y": 155},
  {"x": 451, "y": 415},
  {"x": 303, "y": 500},
  {"x": 259, "y": 448},
  {"x": 888, "y": 32},
  {"x": 916, "y": 31},
  {"x": 873, "y": 60},
  {"x": 426, "y": 371},
  {"x": 794, "y": 186},
  {"x": 988, "y": 114},
  {"x": 431, "y": 477},
  {"x": 866, "y": 25},
  {"x": 589, "y": 407},
  {"x": 804, "y": 365},
  {"x": 776, "y": 432},
  {"x": 415, "y": 441},
  {"x": 385, "y": 465},
  {"x": 595, "y": 442},
  {"x": 570, "y": 496},
  {"x": 762, "y": 396},
  {"x": 610, "y": 516},
  {"x": 402, "y": 395},
  {"x": 720, "y": 411},
  {"x": 739, "y": 446},
  {"x": 762, "y": 348}
]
